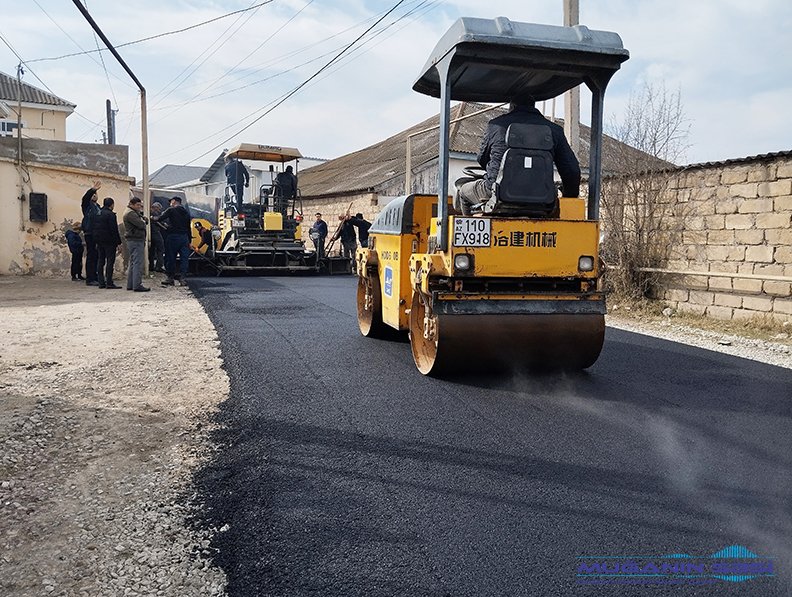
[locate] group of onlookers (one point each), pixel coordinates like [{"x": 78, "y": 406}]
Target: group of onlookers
[
  {"x": 169, "y": 231},
  {"x": 345, "y": 232}
]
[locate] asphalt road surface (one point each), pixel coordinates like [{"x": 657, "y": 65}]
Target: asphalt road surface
[{"x": 343, "y": 471}]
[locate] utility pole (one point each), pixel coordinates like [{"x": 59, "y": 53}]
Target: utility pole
[
  {"x": 572, "y": 99},
  {"x": 111, "y": 136},
  {"x": 143, "y": 119},
  {"x": 20, "y": 72}
]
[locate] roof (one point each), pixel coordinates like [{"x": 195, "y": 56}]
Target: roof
[
  {"x": 264, "y": 153},
  {"x": 495, "y": 60},
  {"x": 216, "y": 165},
  {"x": 383, "y": 162},
  {"x": 172, "y": 174},
  {"x": 9, "y": 91},
  {"x": 734, "y": 161}
]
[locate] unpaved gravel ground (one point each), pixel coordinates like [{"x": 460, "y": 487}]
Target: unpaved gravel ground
[
  {"x": 105, "y": 403},
  {"x": 105, "y": 397}
]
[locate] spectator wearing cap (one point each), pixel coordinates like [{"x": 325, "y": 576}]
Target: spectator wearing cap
[
  {"x": 135, "y": 226},
  {"x": 318, "y": 234},
  {"x": 177, "y": 241}
]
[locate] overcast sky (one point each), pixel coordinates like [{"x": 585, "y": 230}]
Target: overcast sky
[{"x": 730, "y": 59}]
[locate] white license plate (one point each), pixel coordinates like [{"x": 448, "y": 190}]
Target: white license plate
[
  {"x": 237, "y": 223},
  {"x": 472, "y": 232}
]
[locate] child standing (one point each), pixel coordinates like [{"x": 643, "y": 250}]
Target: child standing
[{"x": 75, "y": 242}]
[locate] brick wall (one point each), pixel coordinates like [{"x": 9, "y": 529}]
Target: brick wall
[{"x": 738, "y": 220}]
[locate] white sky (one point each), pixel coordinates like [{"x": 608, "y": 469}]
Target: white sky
[{"x": 731, "y": 60}]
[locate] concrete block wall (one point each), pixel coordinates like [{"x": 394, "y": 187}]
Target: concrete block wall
[{"x": 739, "y": 220}]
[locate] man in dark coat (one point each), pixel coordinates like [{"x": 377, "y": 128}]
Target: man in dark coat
[
  {"x": 90, "y": 210},
  {"x": 362, "y": 228},
  {"x": 493, "y": 146},
  {"x": 237, "y": 178},
  {"x": 157, "y": 249},
  {"x": 105, "y": 231},
  {"x": 177, "y": 241},
  {"x": 285, "y": 189}
]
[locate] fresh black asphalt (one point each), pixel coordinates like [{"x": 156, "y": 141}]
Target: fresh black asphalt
[{"x": 341, "y": 471}]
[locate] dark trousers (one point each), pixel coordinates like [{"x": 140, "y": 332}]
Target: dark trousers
[
  {"x": 177, "y": 244},
  {"x": 91, "y": 259},
  {"x": 157, "y": 253},
  {"x": 106, "y": 263},
  {"x": 76, "y": 263}
]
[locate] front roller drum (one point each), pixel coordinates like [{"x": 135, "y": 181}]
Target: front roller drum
[{"x": 444, "y": 344}]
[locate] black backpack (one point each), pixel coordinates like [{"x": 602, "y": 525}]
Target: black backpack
[{"x": 525, "y": 184}]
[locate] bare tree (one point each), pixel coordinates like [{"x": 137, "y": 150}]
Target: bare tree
[{"x": 641, "y": 216}]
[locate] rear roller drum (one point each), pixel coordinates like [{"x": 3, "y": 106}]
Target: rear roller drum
[{"x": 369, "y": 307}]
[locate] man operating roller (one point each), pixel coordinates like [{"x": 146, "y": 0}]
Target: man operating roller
[{"x": 493, "y": 146}]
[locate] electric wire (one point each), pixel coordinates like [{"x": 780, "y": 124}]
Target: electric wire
[
  {"x": 301, "y": 85},
  {"x": 30, "y": 70},
  {"x": 261, "y": 45},
  {"x": 176, "y": 80},
  {"x": 164, "y": 34}
]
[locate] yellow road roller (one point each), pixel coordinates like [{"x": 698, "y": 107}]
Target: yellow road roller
[{"x": 511, "y": 285}]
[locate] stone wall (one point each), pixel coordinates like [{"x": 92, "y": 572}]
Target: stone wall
[
  {"x": 738, "y": 220},
  {"x": 369, "y": 204}
]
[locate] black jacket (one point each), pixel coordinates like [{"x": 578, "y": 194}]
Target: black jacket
[
  {"x": 89, "y": 210},
  {"x": 236, "y": 173},
  {"x": 493, "y": 146},
  {"x": 177, "y": 220},
  {"x": 105, "y": 231},
  {"x": 347, "y": 233},
  {"x": 363, "y": 228}
]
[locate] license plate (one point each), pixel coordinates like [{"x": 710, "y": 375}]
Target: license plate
[
  {"x": 472, "y": 232},
  {"x": 237, "y": 223}
]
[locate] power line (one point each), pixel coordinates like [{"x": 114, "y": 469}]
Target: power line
[
  {"x": 30, "y": 70},
  {"x": 166, "y": 33},
  {"x": 303, "y": 84},
  {"x": 261, "y": 45},
  {"x": 209, "y": 55}
]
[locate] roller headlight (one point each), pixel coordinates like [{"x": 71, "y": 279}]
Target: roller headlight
[
  {"x": 586, "y": 263},
  {"x": 462, "y": 262}
]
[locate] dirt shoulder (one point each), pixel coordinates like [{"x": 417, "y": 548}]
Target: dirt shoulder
[{"x": 105, "y": 397}]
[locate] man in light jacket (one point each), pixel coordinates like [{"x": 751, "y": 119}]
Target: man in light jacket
[{"x": 135, "y": 226}]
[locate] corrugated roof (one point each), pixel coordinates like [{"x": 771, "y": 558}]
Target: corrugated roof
[
  {"x": 33, "y": 95},
  {"x": 366, "y": 169},
  {"x": 172, "y": 174},
  {"x": 753, "y": 158}
]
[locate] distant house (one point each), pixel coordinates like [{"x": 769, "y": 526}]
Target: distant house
[
  {"x": 171, "y": 176},
  {"x": 43, "y": 114}
]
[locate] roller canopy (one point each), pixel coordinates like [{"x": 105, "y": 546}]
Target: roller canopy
[
  {"x": 498, "y": 60},
  {"x": 264, "y": 153}
]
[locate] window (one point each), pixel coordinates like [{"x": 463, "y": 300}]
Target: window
[{"x": 7, "y": 128}]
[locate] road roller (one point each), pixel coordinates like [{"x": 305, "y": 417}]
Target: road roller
[{"x": 517, "y": 284}]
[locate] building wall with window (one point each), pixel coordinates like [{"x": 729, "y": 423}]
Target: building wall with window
[
  {"x": 37, "y": 123},
  {"x": 36, "y": 245}
]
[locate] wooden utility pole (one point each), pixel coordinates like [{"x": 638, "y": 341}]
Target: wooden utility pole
[{"x": 572, "y": 97}]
